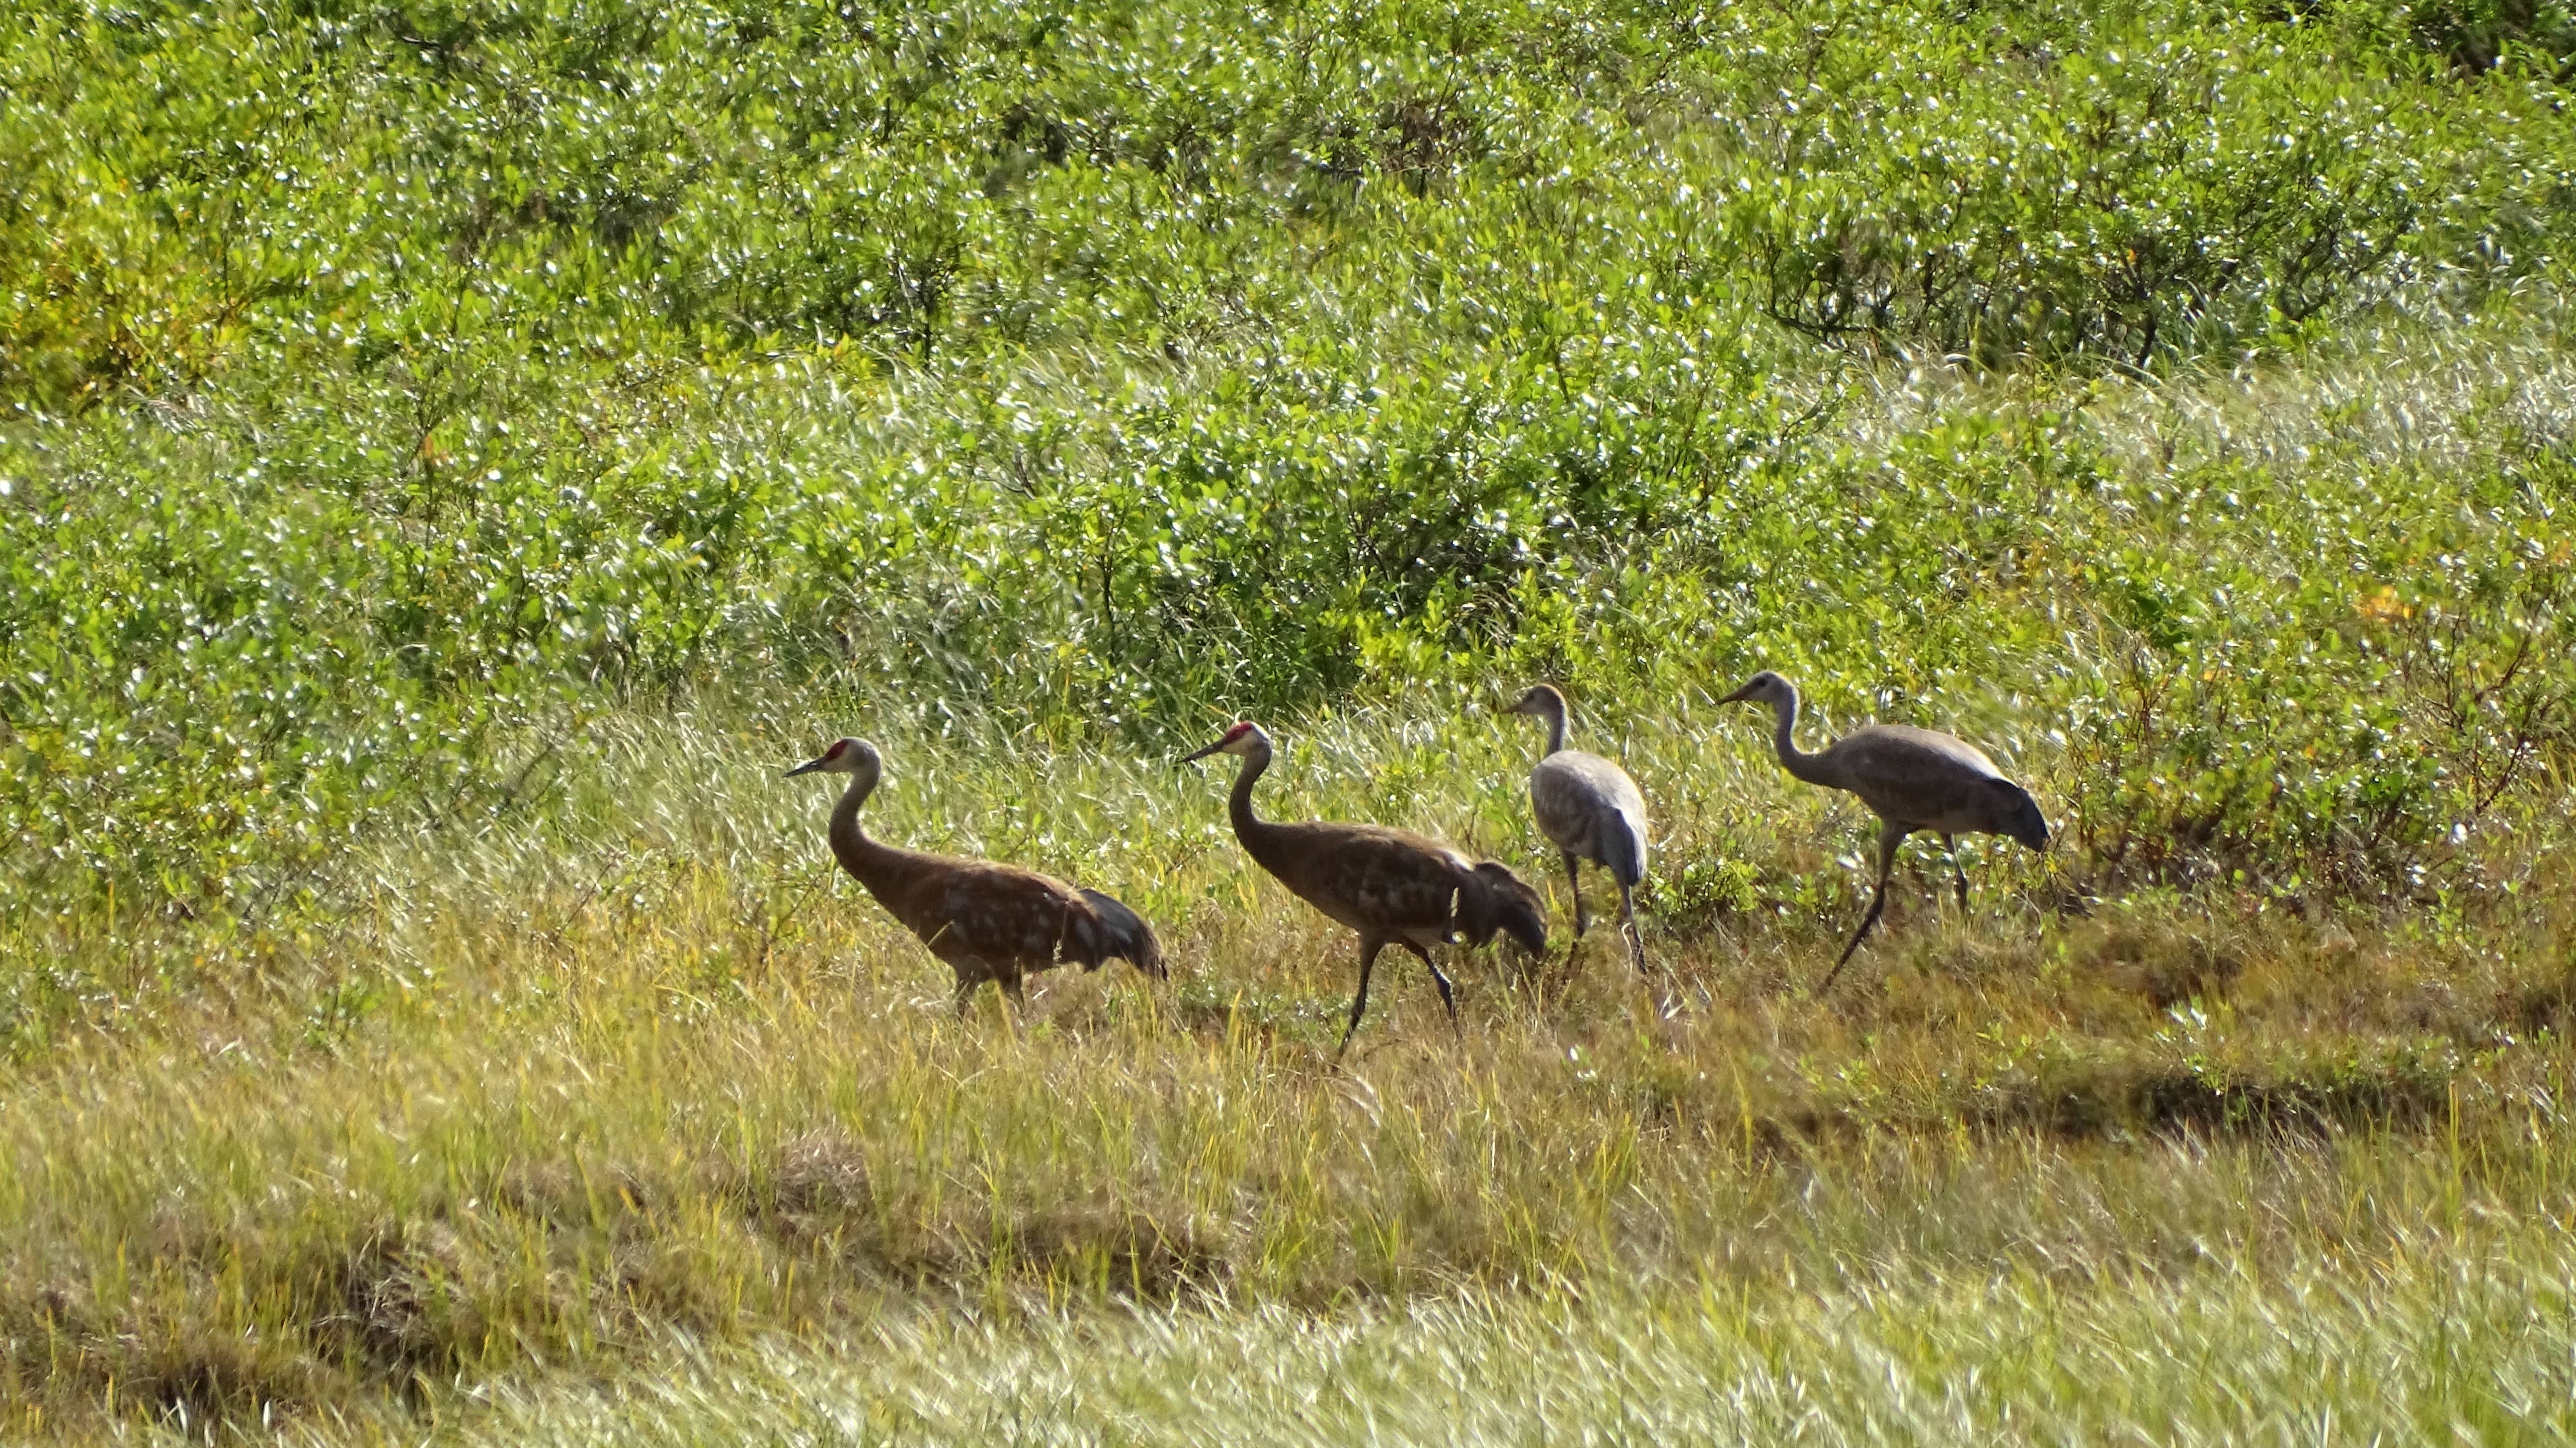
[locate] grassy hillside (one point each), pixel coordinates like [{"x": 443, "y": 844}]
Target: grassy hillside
[{"x": 452, "y": 456}]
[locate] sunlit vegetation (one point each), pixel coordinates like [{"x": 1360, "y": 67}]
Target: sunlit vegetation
[{"x": 452, "y": 455}]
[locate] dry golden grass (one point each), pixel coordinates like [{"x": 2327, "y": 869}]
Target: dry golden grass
[{"x": 557, "y": 1107}]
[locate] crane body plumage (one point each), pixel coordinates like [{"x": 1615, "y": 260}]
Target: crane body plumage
[
  {"x": 1913, "y": 779},
  {"x": 986, "y": 921},
  {"x": 1393, "y": 887},
  {"x": 1590, "y": 809}
]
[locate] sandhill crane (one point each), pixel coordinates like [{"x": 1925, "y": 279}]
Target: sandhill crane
[
  {"x": 1591, "y": 810},
  {"x": 1912, "y": 779},
  {"x": 1392, "y": 886},
  {"x": 987, "y": 921}
]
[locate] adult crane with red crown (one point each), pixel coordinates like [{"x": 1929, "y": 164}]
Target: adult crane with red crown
[
  {"x": 987, "y": 921},
  {"x": 1392, "y": 886}
]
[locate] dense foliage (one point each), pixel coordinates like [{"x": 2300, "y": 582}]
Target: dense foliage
[
  {"x": 452, "y": 452},
  {"x": 394, "y": 386}
]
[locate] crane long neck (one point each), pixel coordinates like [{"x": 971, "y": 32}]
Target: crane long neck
[
  {"x": 861, "y": 856},
  {"x": 1552, "y": 710},
  {"x": 1784, "y": 736},
  {"x": 1238, "y": 806}
]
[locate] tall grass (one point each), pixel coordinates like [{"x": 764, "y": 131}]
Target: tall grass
[
  {"x": 651, "y": 1079},
  {"x": 520, "y": 1101},
  {"x": 452, "y": 456},
  {"x": 2438, "y": 1337}
]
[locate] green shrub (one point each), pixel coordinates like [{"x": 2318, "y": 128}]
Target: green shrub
[{"x": 394, "y": 386}]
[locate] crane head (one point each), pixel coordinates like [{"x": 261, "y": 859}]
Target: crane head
[
  {"x": 1243, "y": 739},
  {"x": 1765, "y": 688},
  {"x": 846, "y": 756},
  {"x": 1541, "y": 700}
]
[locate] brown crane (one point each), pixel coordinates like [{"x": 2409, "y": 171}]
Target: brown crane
[
  {"x": 1392, "y": 886},
  {"x": 1591, "y": 810},
  {"x": 987, "y": 921},
  {"x": 1912, "y": 779}
]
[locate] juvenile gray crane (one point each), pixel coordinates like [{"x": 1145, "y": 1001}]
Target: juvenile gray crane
[
  {"x": 1912, "y": 779},
  {"x": 1392, "y": 886},
  {"x": 1591, "y": 810},
  {"x": 987, "y": 921}
]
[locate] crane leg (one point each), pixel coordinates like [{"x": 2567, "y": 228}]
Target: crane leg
[
  {"x": 1448, "y": 997},
  {"x": 1359, "y": 1003},
  {"x": 1889, "y": 837},
  {"x": 1628, "y": 924},
  {"x": 1574, "y": 882},
  {"x": 1951, "y": 844}
]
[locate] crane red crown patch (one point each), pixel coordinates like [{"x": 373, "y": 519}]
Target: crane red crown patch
[{"x": 1238, "y": 731}]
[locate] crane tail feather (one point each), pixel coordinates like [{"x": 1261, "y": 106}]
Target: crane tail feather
[
  {"x": 1491, "y": 898},
  {"x": 2021, "y": 818},
  {"x": 1623, "y": 849},
  {"x": 1126, "y": 936}
]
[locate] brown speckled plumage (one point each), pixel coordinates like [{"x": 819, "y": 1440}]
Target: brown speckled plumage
[
  {"x": 987, "y": 921},
  {"x": 1392, "y": 886}
]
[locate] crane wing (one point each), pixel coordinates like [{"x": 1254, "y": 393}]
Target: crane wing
[
  {"x": 1372, "y": 878},
  {"x": 1589, "y": 807},
  {"x": 1916, "y": 777}
]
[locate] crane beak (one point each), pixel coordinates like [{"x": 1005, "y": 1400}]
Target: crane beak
[
  {"x": 1198, "y": 754},
  {"x": 808, "y": 767},
  {"x": 1744, "y": 693}
]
